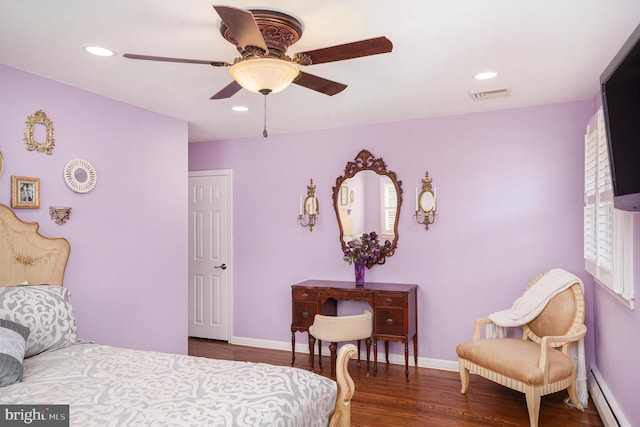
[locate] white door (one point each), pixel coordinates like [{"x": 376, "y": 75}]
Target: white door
[{"x": 210, "y": 254}]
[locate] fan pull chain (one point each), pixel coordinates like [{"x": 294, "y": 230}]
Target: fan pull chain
[{"x": 264, "y": 131}]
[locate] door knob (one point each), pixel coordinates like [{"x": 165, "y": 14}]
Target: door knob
[{"x": 221, "y": 266}]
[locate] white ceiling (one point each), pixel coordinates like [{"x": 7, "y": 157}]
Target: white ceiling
[{"x": 545, "y": 51}]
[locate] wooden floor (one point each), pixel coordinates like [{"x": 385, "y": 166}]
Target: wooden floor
[{"x": 430, "y": 398}]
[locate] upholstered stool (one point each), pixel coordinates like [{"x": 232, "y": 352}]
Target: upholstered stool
[{"x": 335, "y": 329}]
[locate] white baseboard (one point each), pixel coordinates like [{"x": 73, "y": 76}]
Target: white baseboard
[
  {"x": 397, "y": 359},
  {"x": 608, "y": 409}
]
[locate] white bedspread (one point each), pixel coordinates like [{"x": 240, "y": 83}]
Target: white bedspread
[{"x": 107, "y": 386}]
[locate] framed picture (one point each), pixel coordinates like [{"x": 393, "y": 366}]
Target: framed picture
[
  {"x": 25, "y": 192},
  {"x": 344, "y": 195}
]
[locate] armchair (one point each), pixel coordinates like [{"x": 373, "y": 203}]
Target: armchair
[{"x": 537, "y": 364}]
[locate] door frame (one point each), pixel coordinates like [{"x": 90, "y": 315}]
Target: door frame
[{"x": 229, "y": 174}]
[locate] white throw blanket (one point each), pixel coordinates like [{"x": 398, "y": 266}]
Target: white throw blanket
[{"x": 530, "y": 304}]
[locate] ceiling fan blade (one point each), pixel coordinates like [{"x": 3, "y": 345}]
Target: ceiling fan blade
[
  {"x": 319, "y": 84},
  {"x": 341, "y": 52},
  {"x": 242, "y": 25},
  {"x": 183, "y": 60},
  {"x": 228, "y": 91}
]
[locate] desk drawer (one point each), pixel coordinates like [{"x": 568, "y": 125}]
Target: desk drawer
[
  {"x": 390, "y": 321},
  {"x": 305, "y": 295},
  {"x": 303, "y": 313},
  {"x": 391, "y": 300}
]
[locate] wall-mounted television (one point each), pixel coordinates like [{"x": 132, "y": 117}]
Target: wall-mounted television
[{"x": 620, "y": 86}]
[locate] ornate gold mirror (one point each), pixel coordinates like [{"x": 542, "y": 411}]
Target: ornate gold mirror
[
  {"x": 368, "y": 198},
  {"x": 39, "y": 118}
]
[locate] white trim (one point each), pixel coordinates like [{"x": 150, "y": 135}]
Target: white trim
[
  {"x": 229, "y": 174},
  {"x": 608, "y": 409},
  {"x": 629, "y": 303},
  {"x": 396, "y": 359}
]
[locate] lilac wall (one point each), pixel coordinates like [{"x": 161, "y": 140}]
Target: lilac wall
[
  {"x": 509, "y": 206},
  {"x": 128, "y": 268},
  {"x": 616, "y": 334}
]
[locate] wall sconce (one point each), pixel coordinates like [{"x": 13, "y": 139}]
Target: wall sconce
[
  {"x": 309, "y": 207},
  {"x": 426, "y": 203},
  {"x": 60, "y": 214}
]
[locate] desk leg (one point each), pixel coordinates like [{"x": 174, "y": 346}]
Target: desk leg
[
  {"x": 386, "y": 350},
  {"x": 293, "y": 347},
  {"x": 368, "y": 343},
  {"x": 415, "y": 349},
  {"x": 406, "y": 359},
  {"x": 375, "y": 356}
]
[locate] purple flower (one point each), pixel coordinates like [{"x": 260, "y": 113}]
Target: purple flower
[{"x": 365, "y": 249}]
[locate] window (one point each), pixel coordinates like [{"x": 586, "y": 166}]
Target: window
[{"x": 608, "y": 232}]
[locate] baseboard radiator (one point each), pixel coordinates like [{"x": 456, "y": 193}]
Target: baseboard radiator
[{"x": 602, "y": 398}]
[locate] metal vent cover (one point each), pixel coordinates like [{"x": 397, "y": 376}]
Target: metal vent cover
[{"x": 487, "y": 94}]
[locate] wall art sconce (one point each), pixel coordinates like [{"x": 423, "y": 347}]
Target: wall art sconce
[
  {"x": 60, "y": 214},
  {"x": 426, "y": 203},
  {"x": 309, "y": 207}
]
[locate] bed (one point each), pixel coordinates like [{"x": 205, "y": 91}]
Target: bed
[{"x": 43, "y": 362}]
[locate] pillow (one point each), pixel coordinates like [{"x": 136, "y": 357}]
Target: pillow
[
  {"x": 13, "y": 338},
  {"x": 46, "y": 310}
]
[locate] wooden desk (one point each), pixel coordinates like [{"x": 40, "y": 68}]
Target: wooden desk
[{"x": 395, "y": 312}]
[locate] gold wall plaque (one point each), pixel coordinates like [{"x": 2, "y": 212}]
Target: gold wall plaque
[{"x": 39, "y": 118}]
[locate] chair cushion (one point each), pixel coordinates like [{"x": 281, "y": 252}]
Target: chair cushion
[
  {"x": 342, "y": 328},
  {"x": 515, "y": 358}
]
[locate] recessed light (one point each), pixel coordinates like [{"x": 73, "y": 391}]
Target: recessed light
[
  {"x": 486, "y": 76},
  {"x": 98, "y": 50},
  {"x": 240, "y": 108}
]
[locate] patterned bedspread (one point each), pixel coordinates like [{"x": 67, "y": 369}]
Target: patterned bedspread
[{"x": 108, "y": 386}]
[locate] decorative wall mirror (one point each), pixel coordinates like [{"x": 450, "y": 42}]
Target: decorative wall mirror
[
  {"x": 80, "y": 176},
  {"x": 368, "y": 198},
  {"x": 32, "y": 133}
]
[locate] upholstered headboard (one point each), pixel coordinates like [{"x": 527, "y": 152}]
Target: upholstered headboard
[{"x": 26, "y": 255}]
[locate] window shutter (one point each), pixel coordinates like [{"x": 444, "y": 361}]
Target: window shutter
[{"x": 608, "y": 232}]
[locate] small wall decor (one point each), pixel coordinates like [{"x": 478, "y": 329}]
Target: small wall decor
[
  {"x": 60, "y": 214},
  {"x": 25, "y": 192},
  {"x": 80, "y": 175},
  {"x": 309, "y": 207},
  {"x": 39, "y": 118},
  {"x": 426, "y": 203}
]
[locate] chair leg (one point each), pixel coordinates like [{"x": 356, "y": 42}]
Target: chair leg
[
  {"x": 464, "y": 377},
  {"x": 358, "y": 352},
  {"x": 333, "y": 347},
  {"x": 320, "y": 354},
  {"x": 312, "y": 341},
  {"x": 573, "y": 394},
  {"x": 533, "y": 405}
]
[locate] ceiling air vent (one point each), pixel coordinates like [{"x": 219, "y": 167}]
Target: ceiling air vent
[{"x": 487, "y": 94}]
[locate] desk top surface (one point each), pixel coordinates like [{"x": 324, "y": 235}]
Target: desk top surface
[{"x": 398, "y": 287}]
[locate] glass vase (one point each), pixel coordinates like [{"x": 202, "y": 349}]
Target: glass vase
[{"x": 359, "y": 270}]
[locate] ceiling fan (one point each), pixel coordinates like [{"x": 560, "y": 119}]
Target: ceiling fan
[{"x": 262, "y": 37}]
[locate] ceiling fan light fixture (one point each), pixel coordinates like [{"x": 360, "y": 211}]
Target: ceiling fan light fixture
[{"x": 262, "y": 75}]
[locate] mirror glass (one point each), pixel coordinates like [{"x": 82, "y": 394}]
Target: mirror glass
[
  {"x": 311, "y": 205},
  {"x": 426, "y": 201},
  {"x": 81, "y": 175},
  {"x": 368, "y": 198}
]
